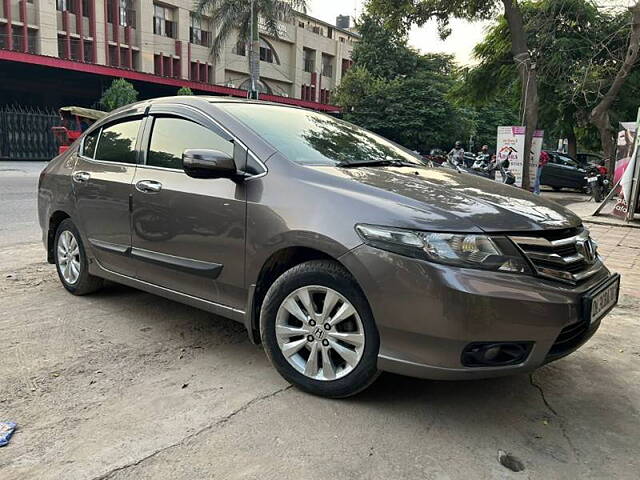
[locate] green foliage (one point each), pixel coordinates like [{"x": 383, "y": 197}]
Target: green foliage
[
  {"x": 184, "y": 91},
  {"x": 232, "y": 15},
  {"x": 411, "y": 98},
  {"x": 577, "y": 49},
  {"x": 119, "y": 94},
  {"x": 401, "y": 14},
  {"x": 384, "y": 53}
]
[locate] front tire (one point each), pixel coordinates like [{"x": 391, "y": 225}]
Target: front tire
[
  {"x": 318, "y": 330},
  {"x": 71, "y": 261}
]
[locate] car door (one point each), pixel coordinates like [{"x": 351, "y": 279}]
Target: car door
[
  {"x": 102, "y": 183},
  {"x": 551, "y": 174},
  {"x": 188, "y": 233},
  {"x": 573, "y": 175}
]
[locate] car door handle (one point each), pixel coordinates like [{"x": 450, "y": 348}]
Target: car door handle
[
  {"x": 148, "y": 186},
  {"x": 81, "y": 177}
]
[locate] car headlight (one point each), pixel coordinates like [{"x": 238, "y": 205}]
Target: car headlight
[{"x": 468, "y": 250}]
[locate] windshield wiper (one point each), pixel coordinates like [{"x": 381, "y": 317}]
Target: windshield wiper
[{"x": 378, "y": 163}]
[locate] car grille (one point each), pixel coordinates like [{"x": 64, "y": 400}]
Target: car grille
[{"x": 569, "y": 256}]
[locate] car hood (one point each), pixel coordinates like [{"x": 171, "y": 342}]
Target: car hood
[{"x": 459, "y": 199}]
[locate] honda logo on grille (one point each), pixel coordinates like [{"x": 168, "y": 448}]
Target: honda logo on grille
[{"x": 587, "y": 249}]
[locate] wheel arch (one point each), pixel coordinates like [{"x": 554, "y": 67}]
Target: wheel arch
[
  {"x": 275, "y": 265},
  {"x": 55, "y": 220}
]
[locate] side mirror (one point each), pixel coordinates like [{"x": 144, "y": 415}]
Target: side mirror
[{"x": 208, "y": 164}]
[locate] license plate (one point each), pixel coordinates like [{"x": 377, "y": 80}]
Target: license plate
[
  {"x": 592, "y": 179},
  {"x": 603, "y": 299}
]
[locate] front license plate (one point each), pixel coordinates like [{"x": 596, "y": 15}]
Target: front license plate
[{"x": 603, "y": 299}]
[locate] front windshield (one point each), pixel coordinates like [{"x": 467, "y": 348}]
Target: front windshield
[{"x": 310, "y": 138}]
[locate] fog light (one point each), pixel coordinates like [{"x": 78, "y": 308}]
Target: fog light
[{"x": 495, "y": 354}]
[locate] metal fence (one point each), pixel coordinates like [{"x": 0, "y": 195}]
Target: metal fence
[{"x": 25, "y": 133}]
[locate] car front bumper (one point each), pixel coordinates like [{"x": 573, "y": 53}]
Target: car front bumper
[{"x": 426, "y": 314}]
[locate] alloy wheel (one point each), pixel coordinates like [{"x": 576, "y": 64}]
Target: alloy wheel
[
  {"x": 68, "y": 253},
  {"x": 320, "y": 333}
]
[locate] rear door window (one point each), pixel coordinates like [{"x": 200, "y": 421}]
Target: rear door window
[
  {"x": 117, "y": 143},
  {"x": 89, "y": 144},
  {"x": 172, "y": 136}
]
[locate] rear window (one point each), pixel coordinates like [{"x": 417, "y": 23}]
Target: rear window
[{"x": 117, "y": 143}]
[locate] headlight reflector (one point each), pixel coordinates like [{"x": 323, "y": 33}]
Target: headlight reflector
[{"x": 485, "y": 252}]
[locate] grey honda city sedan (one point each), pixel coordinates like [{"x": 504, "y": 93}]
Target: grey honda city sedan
[{"x": 341, "y": 252}]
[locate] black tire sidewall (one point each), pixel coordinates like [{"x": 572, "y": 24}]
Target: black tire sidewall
[
  {"x": 332, "y": 275},
  {"x": 84, "y": 280}
]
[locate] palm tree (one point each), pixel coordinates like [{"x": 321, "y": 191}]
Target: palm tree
[{"x": 243, "y": 15}]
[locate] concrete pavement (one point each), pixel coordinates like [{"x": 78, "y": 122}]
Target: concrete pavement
[{"x": 127, "y": 385}]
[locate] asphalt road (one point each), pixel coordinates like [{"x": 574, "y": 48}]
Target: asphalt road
[
  {"x": 18, "y": 215},
  {"x": 127, "y": 385}
]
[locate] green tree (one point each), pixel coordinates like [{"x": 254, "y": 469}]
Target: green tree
[
  {"x": 578, "y": 49},
  {"x": 414, "y": 111},
  {"x": 119, "y": 94},
  {"x": 383, "y": 51},
  {"x": 184, "y": 91},
  {"x": 244, "y": 15},
  {"x": 401, "y": 14}
]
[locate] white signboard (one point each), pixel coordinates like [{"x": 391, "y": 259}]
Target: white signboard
[
  {"x": 625, "y": 207},
  {"x": 536, "y": 148},
  {"x": 510, "y": 146}
]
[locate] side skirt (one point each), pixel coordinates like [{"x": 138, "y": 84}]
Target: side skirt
[{"x": 229, "y": 312}]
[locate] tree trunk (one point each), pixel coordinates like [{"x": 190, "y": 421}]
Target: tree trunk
[
  {"x": 528, "y": 78},
  {"x": 572, "y": 143},
  {"x": 254, "y": 56},
  {"x": 600, "y": 115}
]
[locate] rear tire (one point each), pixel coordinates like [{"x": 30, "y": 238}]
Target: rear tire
[
  {"x": 71, "y": 261},
  {"x": 331, "y": 340}
]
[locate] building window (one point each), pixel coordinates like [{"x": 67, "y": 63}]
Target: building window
[
  {"x": 62, "y": 47},
  {"x": 267, "y": 53},
  {"x": 346, "y": 65},
  {"x": 32, "y": 41},
  {"x": 240, "y": 48},
  {"x": 126, "y": 13},
  {"x": 198, "y": 35},
  {"x": 163, "y": 23},
  {"x": 327, "y": 65},
  {"x": 88, "y": 52},
  {"x": 309, "y": 57},
  {"x": 200, "y": 72}
]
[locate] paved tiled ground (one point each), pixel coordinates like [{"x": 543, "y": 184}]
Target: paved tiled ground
[{"x": 620, "y": 248}]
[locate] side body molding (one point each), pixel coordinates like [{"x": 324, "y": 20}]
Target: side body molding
[{"x": 195, "y": 267}]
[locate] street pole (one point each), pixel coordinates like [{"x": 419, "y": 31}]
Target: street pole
[{"x": 253, "y": 94}]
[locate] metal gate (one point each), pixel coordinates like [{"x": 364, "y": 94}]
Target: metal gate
[{"x": 25, "y": 133}]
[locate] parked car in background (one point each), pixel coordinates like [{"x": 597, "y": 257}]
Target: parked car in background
[
  {"x": 343, "y": 253},
  {"x": 562, "y": 171},
  {"x": 587, "y": 159}
]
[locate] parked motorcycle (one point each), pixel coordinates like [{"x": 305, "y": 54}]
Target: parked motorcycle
[{"x": 597, "y": 184}]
